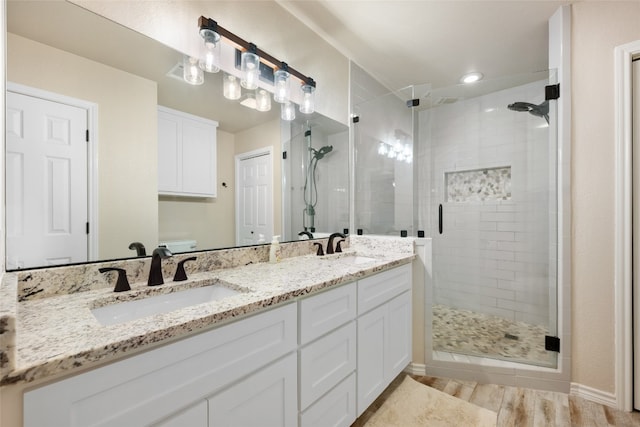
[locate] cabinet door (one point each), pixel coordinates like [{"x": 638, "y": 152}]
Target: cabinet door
[
  {"x": 398, "y": 347},
  {"x": 371, "y": 366},
  {"x": 267, "y": 398},
  {"x": 195, "y": 416},
  {"x": 169, "y": 153},
  {"x": 198, "y": 158}
]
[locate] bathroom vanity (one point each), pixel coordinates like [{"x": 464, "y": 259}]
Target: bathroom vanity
[{"x": 308, "y": 341}]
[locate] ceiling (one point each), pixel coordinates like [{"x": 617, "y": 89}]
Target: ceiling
[{"x": 403, "y": 43}]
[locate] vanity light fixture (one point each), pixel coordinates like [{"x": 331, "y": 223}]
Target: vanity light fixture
[
  {"x": 308, "y": 99},
  {"x": 252, "y": 59},
  {"x": 210, "y": 60},
  {"x": 281, "y": 84},
  {"x": 250, "y": 67},
  {"x": 471, "y": 77}
]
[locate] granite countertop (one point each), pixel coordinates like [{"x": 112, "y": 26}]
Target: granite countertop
[{"x": 59, "y": 334}]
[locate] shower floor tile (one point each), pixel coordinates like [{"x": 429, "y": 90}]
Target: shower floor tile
[{"x": 465, "y": 332}]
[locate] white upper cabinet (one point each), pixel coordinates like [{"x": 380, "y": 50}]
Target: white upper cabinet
[{"x": 186, "y": 154}]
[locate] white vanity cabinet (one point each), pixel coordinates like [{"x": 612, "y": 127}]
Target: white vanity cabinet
[
  {"x": 319, "y": 361},
  {"x": 180, "y": 383},
  {"x": 384, "y": 331},
  {"x": 186, "y": 154}
]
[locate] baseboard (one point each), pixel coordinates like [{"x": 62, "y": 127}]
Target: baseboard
[
  {"x": 594, "y": 395},
  {"x": 416, "y": 369}
]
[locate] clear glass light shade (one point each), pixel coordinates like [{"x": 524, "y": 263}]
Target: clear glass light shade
[
  {"x": 287, "y": 111},
  {"x": 210, "y": 58},
  {"x": 383, "y": 149},
  {"x": 308, "y": 104},
  {"x": 250, "y": 67},
  {"x": 281, "y": 86},
  {"x": 263, "y": 100},
  {"x": 231, "y": 87},
  {"x": 191, "y": 72}
]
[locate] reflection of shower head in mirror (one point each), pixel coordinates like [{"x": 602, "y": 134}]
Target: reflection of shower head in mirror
[{"x": 319, "y": 154}]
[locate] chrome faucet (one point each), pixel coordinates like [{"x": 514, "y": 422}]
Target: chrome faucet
[
  {"x": 330, "y": 243},
  {"x": 155, "y": 272}
]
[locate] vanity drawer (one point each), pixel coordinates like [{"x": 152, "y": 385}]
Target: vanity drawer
[
  {"x": 378, "y": 289},
  {"x": 326, "y": 362},
  {"x": 336, "y": 408},
  {"x": 324, "y": 312}
]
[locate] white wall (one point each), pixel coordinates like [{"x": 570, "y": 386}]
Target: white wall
[{"x": 597, "y": 28}]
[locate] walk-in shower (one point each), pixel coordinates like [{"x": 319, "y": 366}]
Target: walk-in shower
[{"x": 482, "y": 185}]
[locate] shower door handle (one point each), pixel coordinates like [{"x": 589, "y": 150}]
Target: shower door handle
[{"x": 440, "y": 218}]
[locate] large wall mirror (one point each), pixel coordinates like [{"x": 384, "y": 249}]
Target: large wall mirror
[{"x": 114, "y": 79}]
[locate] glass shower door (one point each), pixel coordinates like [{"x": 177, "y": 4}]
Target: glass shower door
[{"x": 493, "y": 211}]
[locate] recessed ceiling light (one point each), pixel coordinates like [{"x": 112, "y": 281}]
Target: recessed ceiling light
[{"x": 471, "y": 77}]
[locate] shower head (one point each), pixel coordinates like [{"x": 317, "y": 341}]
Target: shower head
[
  {"x": 318, "y": 154},
  {"x": 540, "y": 110}
]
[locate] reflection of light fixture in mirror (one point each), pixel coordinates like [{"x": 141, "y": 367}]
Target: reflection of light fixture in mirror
[
  {"x": 281, "y": 84},
  {"x": 308, "y": 99},
  {"x": 250, "y": 67},
  {"x": 191, "y": 72},
  {"x": 210, "y": 60},
  {"x": 263, "y": 100},
  {"x": 231, "y": 87},
  {"x": 287, "y": 111}
]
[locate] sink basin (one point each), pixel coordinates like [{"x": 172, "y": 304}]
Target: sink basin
[{"x": 137, "y": 309}]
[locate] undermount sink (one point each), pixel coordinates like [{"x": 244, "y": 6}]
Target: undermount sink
[{"x": 131, "y": 310}]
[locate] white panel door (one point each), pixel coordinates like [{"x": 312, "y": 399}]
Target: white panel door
[
  {"x": 254, "y": 210},
  {"x": 636, "y": 230},
  {"x": 46, "y": 194}
]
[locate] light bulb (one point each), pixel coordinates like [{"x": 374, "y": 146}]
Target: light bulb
[
  {"x": 250, "y": 66},
  {"x": 382, "y": 149},
  {"x": 191, "y": 72},
  {"x": 281, "y": 85},
  {"x": 263, "y": 100},
  {"x": 231, "y": 87},
  {"x": 391, "y": 154},
  {"x": 308, "y": 102},
  {"x": 287, "y": 111}
]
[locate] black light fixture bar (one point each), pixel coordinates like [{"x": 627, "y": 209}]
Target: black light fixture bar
[{"x": 240, "y": 43}]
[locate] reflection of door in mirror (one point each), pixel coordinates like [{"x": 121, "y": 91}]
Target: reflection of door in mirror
[
  {"x": 255, "y": 198},
  {"x": 47, "y": 182}
]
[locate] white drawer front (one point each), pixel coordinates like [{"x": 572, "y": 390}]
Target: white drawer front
[
  {"x": 335, "y": 409},
  {"x": 378, "y": 289},
  {"x": 321, "y": 313},
  {"x": 325, "y": 362}
]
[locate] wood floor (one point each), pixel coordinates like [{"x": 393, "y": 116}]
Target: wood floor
[{"x": 520, "y": 407}]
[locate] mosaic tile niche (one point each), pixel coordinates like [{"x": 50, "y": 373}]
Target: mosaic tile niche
[{"x": 478, "y": 185}]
